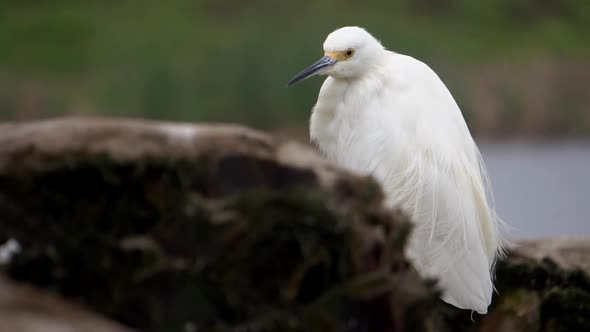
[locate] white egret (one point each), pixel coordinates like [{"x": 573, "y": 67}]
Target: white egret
[{"x": 390, "y": 116}]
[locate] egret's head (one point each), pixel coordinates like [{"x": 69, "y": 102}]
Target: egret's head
[{"x": 348, "y": 52}]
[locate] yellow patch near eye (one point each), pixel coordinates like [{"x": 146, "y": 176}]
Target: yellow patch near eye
[{"x": 340, "y": 56}]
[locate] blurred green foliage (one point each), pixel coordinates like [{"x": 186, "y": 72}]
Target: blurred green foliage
[{"x": 222, "y": 60}]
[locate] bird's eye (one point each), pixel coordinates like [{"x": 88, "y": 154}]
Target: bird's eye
[{"x": 349, "y": 53}]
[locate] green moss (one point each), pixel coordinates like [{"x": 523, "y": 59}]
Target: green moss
[{"x": 566, "y": 309}]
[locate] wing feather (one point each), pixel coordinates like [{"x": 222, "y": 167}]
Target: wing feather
[{"x": 455, "y": 236}]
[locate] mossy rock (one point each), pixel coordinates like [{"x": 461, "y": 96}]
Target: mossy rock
[
  {"x": 543, "y": 285},
  {"x": 174, "y": 227},
  {"x": 169, "y": 227}
]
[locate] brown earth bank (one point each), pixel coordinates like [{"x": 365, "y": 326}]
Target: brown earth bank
[{"x": 178, "y": 227}]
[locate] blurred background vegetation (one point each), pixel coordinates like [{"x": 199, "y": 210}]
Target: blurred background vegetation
[
  {"x": 516, "y": 67},
  {"x": 519, "y": 69}
]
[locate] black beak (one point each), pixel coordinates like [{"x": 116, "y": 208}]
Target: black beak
[{"x": 312, "y": 70}]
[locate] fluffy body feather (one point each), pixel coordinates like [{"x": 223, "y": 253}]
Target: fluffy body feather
[{"x": 390, "y": 116}]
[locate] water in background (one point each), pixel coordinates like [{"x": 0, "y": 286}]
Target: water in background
[{"x": 541, "y": 189}]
